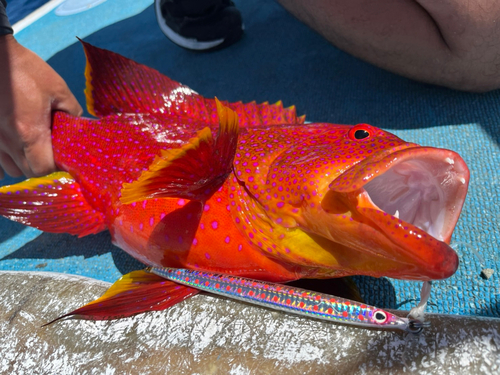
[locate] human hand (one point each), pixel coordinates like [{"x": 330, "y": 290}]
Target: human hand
[{"x": 29, "y": 91}]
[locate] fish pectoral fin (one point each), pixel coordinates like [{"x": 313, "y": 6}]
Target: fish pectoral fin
[
  {"x": 194, "y": 171},
  {"x": 53, "y": 203},
  {"x": 133, "y": 293}
]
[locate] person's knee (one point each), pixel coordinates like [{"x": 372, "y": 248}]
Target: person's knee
[{"x": 478, "y": 71}]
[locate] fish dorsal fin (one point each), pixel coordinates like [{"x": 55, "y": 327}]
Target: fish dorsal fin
[
  {"x": 275, "y": 114},
  {"x": 53, "y": 203},
  {"x": 133, "y": 293},
  {"x": 194, "y": 171},
  {"x": 116, "y": 84}
]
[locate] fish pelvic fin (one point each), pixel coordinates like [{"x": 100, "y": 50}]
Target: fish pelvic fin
[
  {"x": 194, "y": 171},
  {"x": 133, "y": 293},
  {"x": 53, "y": 203}
]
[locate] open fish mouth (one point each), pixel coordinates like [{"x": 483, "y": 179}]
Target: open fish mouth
[
  {"x": 422, "y": 186},
  {"x": 403, "y": 206}
]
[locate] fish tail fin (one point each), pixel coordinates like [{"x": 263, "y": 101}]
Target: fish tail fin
[
  {"x": 133, "y": 293},
  {"x": 53, "y": 203}
]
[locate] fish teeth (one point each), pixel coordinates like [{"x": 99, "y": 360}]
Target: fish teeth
[{"x": 396, "y": 214}]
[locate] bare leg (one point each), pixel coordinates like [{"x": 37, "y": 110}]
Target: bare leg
[{"x": 453, "y": 43}]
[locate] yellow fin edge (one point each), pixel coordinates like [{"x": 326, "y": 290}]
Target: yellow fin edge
[
  {"x": 33, "y": 183},
  {"x": 88, "y": 87},
  {"x": 228, "y": 119},
  {"x": 134, "y": 191}
]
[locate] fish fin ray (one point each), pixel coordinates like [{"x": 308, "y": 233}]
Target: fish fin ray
[
  {"x": 133, "y": 293},
  {"x": 266, "y": 114},
  {"x": 53, "y": 203},
  {"x": 136, "y": 88},
  {"x": 116, "y": 84},
  {"x": 194, "y": 171}
]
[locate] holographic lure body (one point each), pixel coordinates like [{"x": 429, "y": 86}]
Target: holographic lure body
[{"x": 290, "y": 299}]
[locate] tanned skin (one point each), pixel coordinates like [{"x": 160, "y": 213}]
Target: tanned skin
[
  {"x": 452, "y": 43},
  {"x": 29, "y": 91}
]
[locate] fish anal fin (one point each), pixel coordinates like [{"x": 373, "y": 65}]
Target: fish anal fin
[
  {"x": 53, "y": 203},
  {"x": 133, "y": 293},
  {"x": 194, "y": 171}
]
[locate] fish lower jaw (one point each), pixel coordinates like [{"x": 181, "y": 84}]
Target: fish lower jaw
[{"x": 425, "y": 192}]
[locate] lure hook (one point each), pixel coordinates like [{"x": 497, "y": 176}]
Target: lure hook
[{"x": 416, "y": 326}]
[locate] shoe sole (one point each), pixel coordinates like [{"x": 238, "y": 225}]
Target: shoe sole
[{"x": 189, "y": 43}]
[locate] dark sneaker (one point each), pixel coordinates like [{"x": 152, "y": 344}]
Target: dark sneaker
[{"x": 199, "y": 24}]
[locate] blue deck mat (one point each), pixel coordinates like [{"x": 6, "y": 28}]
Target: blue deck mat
[{"x": 280, "y": 58}]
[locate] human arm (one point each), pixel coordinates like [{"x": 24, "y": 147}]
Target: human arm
[
  {"x": 453, "y": 43},
  {"x": 29, "y": 91}
]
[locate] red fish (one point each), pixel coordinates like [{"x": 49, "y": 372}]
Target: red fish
[{"x": 245, "y": 189}]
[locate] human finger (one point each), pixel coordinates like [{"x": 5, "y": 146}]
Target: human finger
[
  {"x": 40, "y": 157},
  {"x": 9, "y": 166},
  {"x": 65, "y": 101}
]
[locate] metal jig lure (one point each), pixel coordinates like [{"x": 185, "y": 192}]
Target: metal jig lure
[{"x": 290, "y": 299}]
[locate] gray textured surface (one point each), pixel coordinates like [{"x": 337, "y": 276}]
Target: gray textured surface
[{"x": 211, "y": 335}]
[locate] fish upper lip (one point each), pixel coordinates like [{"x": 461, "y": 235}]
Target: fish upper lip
[{"x": 423, "y": 186}]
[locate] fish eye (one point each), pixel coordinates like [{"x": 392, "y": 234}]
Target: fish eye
[
  {"x": 379, "y": 316},
  {"x": 360, "y": 131}
]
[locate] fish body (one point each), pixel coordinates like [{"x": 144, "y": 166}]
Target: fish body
[
  {"x": 245, "y": 189},
  {"x": 267, "y": 219}
]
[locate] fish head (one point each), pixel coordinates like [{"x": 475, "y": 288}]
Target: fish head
[{"x": 357, "y": 200}]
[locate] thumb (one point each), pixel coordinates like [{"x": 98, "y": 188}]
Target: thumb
[
  {"x": 64, "y": 100},
  {"x": 39, "y": 155}
]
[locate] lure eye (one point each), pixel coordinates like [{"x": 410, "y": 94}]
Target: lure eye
[
  {"x": 360, "y": 131},
  {"x": 379, "y": 316}
]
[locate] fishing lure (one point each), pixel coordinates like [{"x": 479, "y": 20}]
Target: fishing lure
[{"x": 290, "y": 299}]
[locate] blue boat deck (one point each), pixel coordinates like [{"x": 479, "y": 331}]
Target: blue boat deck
[{"x": 281, "y": 59}]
